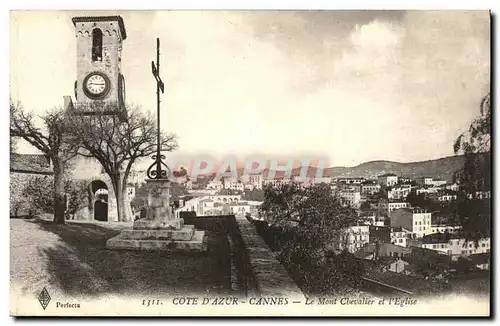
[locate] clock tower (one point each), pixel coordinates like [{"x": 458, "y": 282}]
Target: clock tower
[{"x": 98, "y": 61}]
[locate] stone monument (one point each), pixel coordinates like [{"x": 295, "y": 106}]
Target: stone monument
[{"x": 159, "y": 230}]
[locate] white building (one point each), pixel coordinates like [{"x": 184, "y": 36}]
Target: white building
[
  {"x": 399, "y": 236},
  {"x": 353, "y": 238},
  {"x": 400, "y": 192},
  {"x": 276, "y": 182},
  {"x": 424, "y": 181},
  {"x": 350, "y": 180},
  {"x": 452, "y": 187},
  {"x": 435, "y": 228},
  {"x": 370, "y": 188},
  {"x": 388, "y": 180},
  {"x": 207, "y": 205},
  {"x": 446, "y": 197},
  {"x": 429, "y": 190},
  {"x": 252, "y": 181},
  {"x": 392, "y": 206},
  {"x": 438, "y": 183},
  {"x": 215, "y": 185},
  {"x": 456, "y": 246},
  {"x": 239, "y": 209},
  {"x": 416, "y": 220},
  {"x": 233, "y": 183},
  {"x": 481, "y": 195},
  {"x": 319, "y": 180},
  {"x": 352, "y": 198},
  {"x": 429, "y": 181},
  {"x": 403, "y": 180},
  {"x": 371, "y": 218}
]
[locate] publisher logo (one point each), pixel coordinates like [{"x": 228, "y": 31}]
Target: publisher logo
[{"x": 44, "y": 298}]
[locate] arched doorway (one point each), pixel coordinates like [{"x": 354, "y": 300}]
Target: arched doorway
[{"x": 99, "y": 190}]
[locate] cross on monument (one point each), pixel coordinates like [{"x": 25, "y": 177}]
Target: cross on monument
[
  {"x": 160, "y": 229},
  {"x": 158, "y": 170}
]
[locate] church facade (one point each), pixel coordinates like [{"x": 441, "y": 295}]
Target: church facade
[
  {"x": 99, "y": 79},
  {"x": 102, "y": 204}
]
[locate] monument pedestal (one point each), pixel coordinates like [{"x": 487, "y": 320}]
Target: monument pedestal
[{"x": 160, "y": 230}]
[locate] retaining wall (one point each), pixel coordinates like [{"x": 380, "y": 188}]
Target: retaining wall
[{"x": 254, "y": 269}]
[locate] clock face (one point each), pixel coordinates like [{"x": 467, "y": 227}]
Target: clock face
[{"x": 96, "y": 85}]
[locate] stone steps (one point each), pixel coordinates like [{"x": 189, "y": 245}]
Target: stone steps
[
  {"x": 185, "y": 239},
  {"x": 184, "y": 234}
]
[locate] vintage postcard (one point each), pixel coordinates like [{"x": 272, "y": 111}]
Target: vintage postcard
[{"x": 250, "y": 163}]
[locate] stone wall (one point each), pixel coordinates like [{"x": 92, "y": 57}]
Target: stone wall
[
  {"x": 267, "y": 274},
  {"x": 89, "y": 169},
  {"x": 254, "y": 269}
]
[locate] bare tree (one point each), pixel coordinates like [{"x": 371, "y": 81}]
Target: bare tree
[
  {"x": 116, "y": 144},
  {"x": 51, "y": 140}
]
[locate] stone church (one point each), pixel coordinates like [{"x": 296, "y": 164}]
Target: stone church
[
  {"x": 101, "y": 196},
  {"x": 99, "y": 78},
  {"x": 101, "y": 202}
]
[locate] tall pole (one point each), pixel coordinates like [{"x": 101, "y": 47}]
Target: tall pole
[
  {"x": 158, "y": 143},
  {"x": 156, "y": 171}
]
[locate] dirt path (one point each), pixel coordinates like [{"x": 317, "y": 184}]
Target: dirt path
[
  {"x": 28, "y": 261},
  {"x": 73, "y": 260}
]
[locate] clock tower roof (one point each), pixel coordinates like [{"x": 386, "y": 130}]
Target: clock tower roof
[{"x": 118, "y": 19}]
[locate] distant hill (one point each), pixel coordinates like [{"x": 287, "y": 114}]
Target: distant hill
[{"x": 443, "y": 168}]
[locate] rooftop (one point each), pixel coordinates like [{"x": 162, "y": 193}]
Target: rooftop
[
  {"x": 398, "y": 229},
  {"x": 399, "y": 280},
  {"x": 118, "y": 19},
  {"x": 439, "y": 238},
  {"x": 30, "y": 163}
]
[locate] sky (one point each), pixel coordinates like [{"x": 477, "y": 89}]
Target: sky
[{"x": 349, "y": 86}]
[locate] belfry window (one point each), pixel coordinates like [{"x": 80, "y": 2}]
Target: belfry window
[{"x": 96, "y": 44}]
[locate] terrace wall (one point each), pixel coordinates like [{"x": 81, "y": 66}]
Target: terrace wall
[{"x": 255, "y": 270}]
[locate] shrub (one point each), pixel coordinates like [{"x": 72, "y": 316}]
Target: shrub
[
  {"x": 39, "y": 191},
  {"x": 20, "y": 203},
  {"x": 319, "y": 275},
  {"x": 302, "y": 224},
  {"x": 139, "y": 203},
  {"x": 33, "y": 194},
  {"x": 77, "y": 195}
]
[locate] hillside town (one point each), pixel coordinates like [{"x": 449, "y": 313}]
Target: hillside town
[{"x": 391, "y": 230}]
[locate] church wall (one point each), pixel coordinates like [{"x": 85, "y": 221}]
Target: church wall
[{"x": 89, "y": 169}]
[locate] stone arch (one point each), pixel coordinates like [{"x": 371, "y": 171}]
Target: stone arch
[{"x": 99, "y": 199}]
